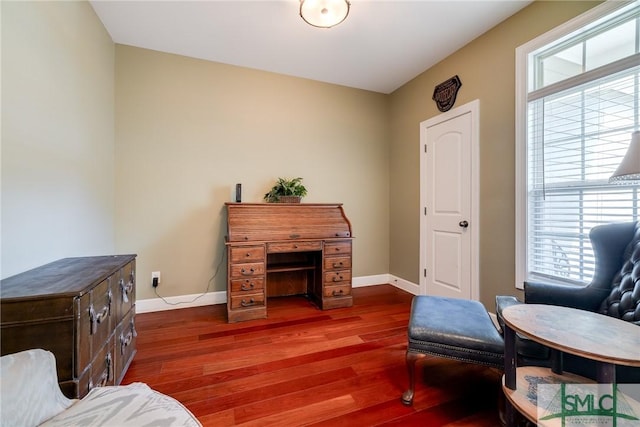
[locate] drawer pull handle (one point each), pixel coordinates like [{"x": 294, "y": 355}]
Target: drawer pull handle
[
  {"x": 248, "y": 255},
  {"x": 247, "y": 273},
  {"x": 248, "y": 304},
  {"x": 337, "y": 278},
  {"x": 337, "y": 249},
  {"x": 247, "y": 288},
  {"x": 125, "y": 341},
  {"x": 97, "y": 318},
  {"x": 106, "y": 375},
  {"x": 337, "y": 264},
  {"x": 126, "y": 290},
  {"x": 338, "y": 293},
  {"x": 295, "y": 246}
]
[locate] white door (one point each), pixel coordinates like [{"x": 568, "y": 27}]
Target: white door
[{"x": 449, "y": 203}]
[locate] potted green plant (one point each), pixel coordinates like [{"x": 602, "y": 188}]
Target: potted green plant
[{"x": 286, "y": 191}]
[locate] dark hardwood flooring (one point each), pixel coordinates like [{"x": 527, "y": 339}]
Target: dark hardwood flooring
[{"x": 304, "y": 366}]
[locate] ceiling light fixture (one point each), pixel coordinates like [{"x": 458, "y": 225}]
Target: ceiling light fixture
[
  {"x": 629, "y": 170},
  {"x": 324, "y": 13}
]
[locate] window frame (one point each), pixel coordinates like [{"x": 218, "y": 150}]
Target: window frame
[{"x": 521, "y": 123}]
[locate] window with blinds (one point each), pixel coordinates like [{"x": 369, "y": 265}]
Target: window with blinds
[{"x": 583, "y": 104}]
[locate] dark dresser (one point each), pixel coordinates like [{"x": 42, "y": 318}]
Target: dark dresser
[{"x": 82, "y": 310}]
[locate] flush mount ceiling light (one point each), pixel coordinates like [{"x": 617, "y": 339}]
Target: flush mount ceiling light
[
  {"x": 324, "y": 13},
  {"x": 629, "y": 170}
]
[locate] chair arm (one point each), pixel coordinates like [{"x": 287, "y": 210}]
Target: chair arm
[
  {"x": 580, "y": 297},
  {"x": 529, "y": 352},
  {"x": 502, "y": 302}
]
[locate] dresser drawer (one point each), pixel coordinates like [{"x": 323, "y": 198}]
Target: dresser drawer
[
  {"x": 336, "y": 291},
  {"x": 337, "y": 262},
  {"x": 102, "y": 366},
  {"x": 337, "y": 248},
  {"x": 247, "y": 269},
  {"x": 335, "y": 277},
  {"x": 247, "y": 285},
  {"x": 247, "y": 301},
  {"x": 246, "y": 253},
  {"x": 95, "y": 323},
  {"x": 293, "y": 247},
  {"x": 125, "y": 345},
  {"x": 124, "y": 291}
]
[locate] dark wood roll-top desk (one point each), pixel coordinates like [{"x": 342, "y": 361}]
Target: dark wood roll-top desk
[{"x": 283, "y": 249}]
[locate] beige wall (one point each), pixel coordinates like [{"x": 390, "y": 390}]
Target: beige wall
[
  {"x": 486, "y": 67},
  {"x": 188, "y": 130},
  {"x": 57, "y": 134}
]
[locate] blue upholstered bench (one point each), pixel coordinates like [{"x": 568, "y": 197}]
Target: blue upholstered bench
[{"x": 452, "y": 328}]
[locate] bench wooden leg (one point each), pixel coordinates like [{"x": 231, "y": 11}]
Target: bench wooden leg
[{"x": 412, "y": 358}]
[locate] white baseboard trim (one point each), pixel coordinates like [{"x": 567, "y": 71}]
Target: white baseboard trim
[
  {"x": 405, "y": 285},
  {"x": 378, "y": 279},
  {"x": 181, "y": 301},
  {"x": 220, "y": 297}
]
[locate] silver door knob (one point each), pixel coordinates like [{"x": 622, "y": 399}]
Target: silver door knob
[{"x": 463, "y": 224}]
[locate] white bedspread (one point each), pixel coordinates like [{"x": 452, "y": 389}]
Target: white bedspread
[
  {"x": 30, "y": 396},
  {"x": 134, "y": 405}
]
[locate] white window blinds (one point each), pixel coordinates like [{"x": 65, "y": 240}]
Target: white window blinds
[{"x": 579, "y": 124}]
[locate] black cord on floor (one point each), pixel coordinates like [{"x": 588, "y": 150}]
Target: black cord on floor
[{"x": 215, "y": 273}]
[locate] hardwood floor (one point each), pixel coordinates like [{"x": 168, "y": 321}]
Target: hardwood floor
[{"x": 304, "y": 366}]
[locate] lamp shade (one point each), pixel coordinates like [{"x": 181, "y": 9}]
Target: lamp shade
[
  {"x": 324, "y": 13},
  {"x": 628, "y": 171}
]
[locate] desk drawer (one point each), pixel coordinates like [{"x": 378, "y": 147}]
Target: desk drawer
[
  {"x": 247, "y": 285},
  {"x": 336, "y": 291},
  {"x": 337, "y": 262},
  {"x": 293, "y": 247},
  {"x": 337, "y": 248},
  {"x": 246, "y": 253},
  {"x": 335, "y": 277},
  {"x": 247, "y": 269},
  {"x": 247, "y": 301}
]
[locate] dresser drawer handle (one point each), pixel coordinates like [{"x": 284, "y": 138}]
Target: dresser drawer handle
[
  {"x": 106, "y": 375},
  {"x": 247, "y": 273},
  {"x": 97, "y": 318},
  {"x": 247, "y": 288},
  {"x": 125, "y": 341},
  {"x": 337, "y": 264},
  {"x": 248, "y": 304},
  {"x": 338, "y": 293},
  {"x": 248, "y": 255},
  {"x": 126, "y": 290},
  {"x": 337, "y": 278}
]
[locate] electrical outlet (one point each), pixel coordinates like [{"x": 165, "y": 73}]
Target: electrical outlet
[{"x": 155, "y": 278}]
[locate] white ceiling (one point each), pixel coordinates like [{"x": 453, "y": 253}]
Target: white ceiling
[{"x": 379, "y": 47}]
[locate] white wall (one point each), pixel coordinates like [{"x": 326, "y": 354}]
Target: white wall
[{"x": 57, "y": 134}]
